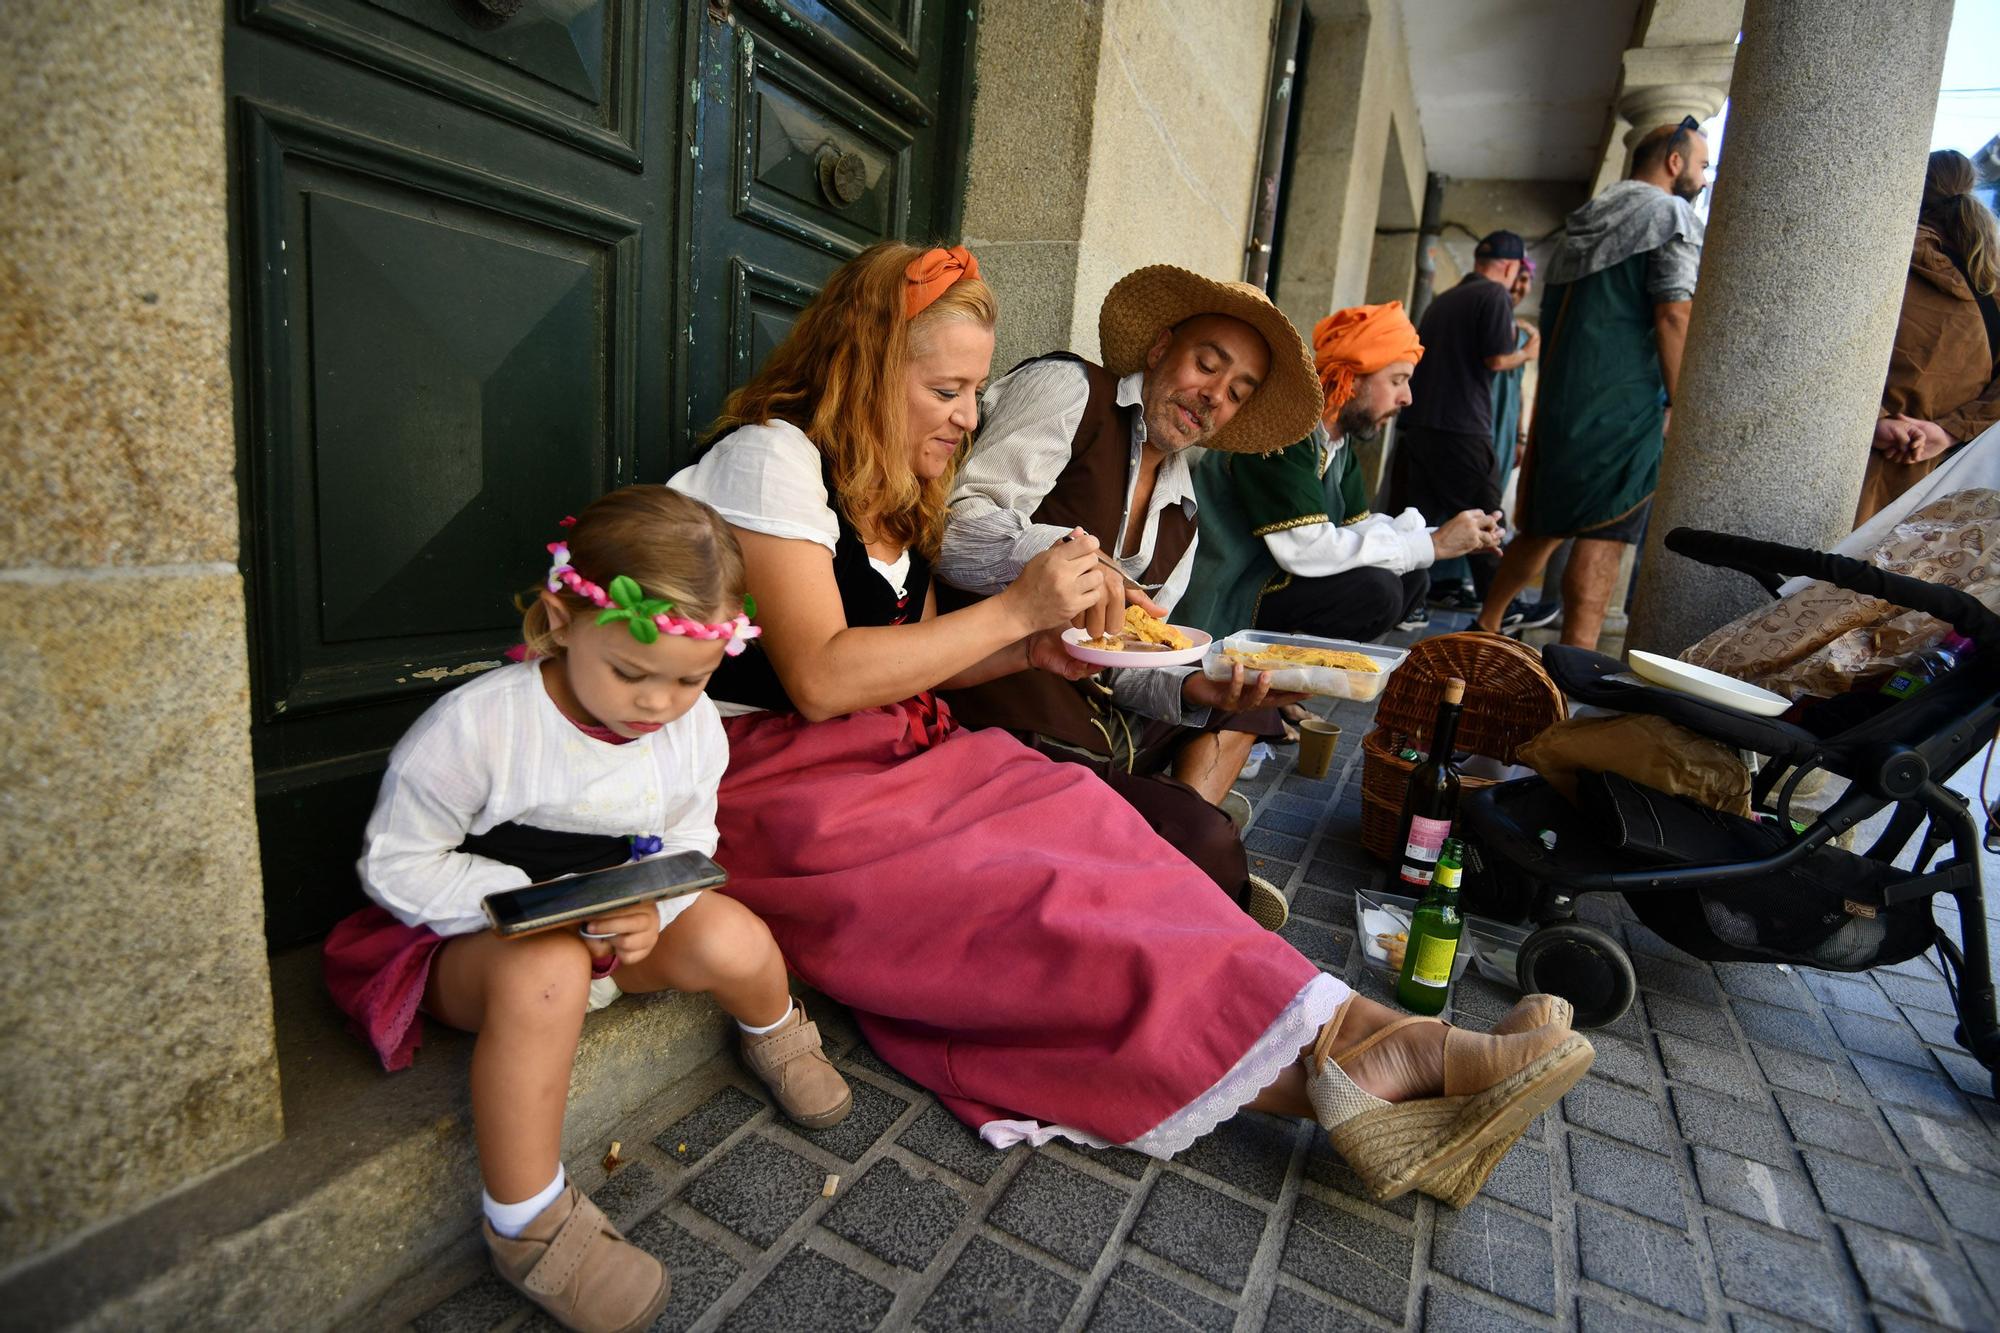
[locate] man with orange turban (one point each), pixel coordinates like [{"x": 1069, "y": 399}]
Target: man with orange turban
[{"x": 1287, "y": 542}]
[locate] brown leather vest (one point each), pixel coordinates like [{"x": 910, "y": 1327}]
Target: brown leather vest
[{"x": 1089, "y": 494}]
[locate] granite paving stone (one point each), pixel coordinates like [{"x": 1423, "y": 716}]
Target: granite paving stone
[
  {"x": 939, "y": 1136},
  {"x": 1918, "y": 1279},
  {"x": 1324, "y": 1167},
  {"x": 1905, "y": 1085},
  {"x": 1925, "y": 991},
  {"x": 1059, "y": 1209},
  {"x": 991, "y": 1287},
  {"x": 1448, "y": 1312},
  {"x": 1522, "y": 1179},
  {"x": 1956, "y": 1146},
  {"x": 874, "y": 1111},
  {"x": 1655, "y": 1263},
  {"x": 1774, "y": 1272},
  {"x": 1495, "y": 1251},
  {"x": 1984, "y": 1257},
  {"x": 1340, "y": 876},
  {"x": 1789, "y": 1028},
  {"x": 1282, "y": 821},
  {"x": 1821, "y": 1124},
  {"x": 1595, "y": 1104},
  {"x": 1315, "y": 941},
  {"x": 1936, "y": 1029},
  {"x": 1685, "y": 1018},
  {"x": 862, "y": 1056},
  {"x": 1295, "y": 1311},
  {"x": 1284, "y": 802},
  {"x": 1641, "y": 1182},
  {"x": 756, "y": 1190},
  {"x": 1889, "y": 1039},
  {"x": 1250, "y": 1151},
  {"x": 631, "y": 1192},
  {"x": 1710, "y": 1067},
  {"x": 1761, "y": 981},
  {"x": 1274, "y": 844},
  {"x": 1669, "y": 976},
  {"x": 897, "y": 1216},
  {"x": 1349, "y": 1256},
  {"x": 1754, "y": 1190},
  {"x": 1968, "y": 1204},
  {"x": 1136, "y": 1301},
  {"x": 1831, "y": 1080},
  {"x": 472, "y": 1309},
  {"x": 1595, "y": 1316},
  {"x": 1623, "y": 1062},
  {"x": 1717, "y": 1122},
  {"x": 701, "y": 1272},
  {"x": 695, "y": 1135},
  {"x": 1856, "y": 993},
  {"x": 1869, "y": 1194},
  {"x": 1972, "y": 1078},
  {"x": 1209, "y": 1234},
  {"x": 1324, "y": 905},
  {"x": 810, "y": 1293},
  {"x": 1132, "y": 1165}
]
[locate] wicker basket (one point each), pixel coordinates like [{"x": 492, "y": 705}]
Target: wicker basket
[{"x": 1509, "y": 700}]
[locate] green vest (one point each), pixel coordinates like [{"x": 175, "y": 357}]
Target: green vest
[{"x": 1240, "y": 498}]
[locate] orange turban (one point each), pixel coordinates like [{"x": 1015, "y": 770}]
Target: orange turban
[
  {"x": 1360, "y": 341},
  {"x": 931, "y": 272}
]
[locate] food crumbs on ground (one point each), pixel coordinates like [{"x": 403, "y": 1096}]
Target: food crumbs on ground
[
  {"x": 832, "y": 1184},
  {"x": 612, "y": 1161}
]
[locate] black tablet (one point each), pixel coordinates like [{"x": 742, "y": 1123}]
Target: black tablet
[{"x": 578, "y": 898}]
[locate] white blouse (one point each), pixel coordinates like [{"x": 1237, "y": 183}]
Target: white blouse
[{"x": 498, "y": 750}]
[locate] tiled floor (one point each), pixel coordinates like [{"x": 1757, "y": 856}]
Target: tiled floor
[{"x": 1755, "y": 1148}]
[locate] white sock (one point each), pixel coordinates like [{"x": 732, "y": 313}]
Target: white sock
[
  {"x": 510, "y": 1218},
  {"x": 772, "y": 1027}
]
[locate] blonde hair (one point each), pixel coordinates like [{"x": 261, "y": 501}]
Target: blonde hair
[
  {"x": 671, "y": 545},
  {"x": 1955, "y": 213},
  {"x": 839, "y": 377}
]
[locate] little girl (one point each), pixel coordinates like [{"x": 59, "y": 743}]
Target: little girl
[{"x": 600, "y": 748}]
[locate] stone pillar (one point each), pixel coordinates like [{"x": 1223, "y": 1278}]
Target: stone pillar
[
  {"x": 137, "y": 1040},
  {"x": 1800, "y": 287},
  {"x": 1657, "y": 86}
]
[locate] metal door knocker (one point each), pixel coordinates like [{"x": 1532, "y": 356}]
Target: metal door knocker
[{"x": 843, "y": 177}]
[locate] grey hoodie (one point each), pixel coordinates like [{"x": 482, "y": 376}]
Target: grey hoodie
[{"x": 1631, "y": 218}]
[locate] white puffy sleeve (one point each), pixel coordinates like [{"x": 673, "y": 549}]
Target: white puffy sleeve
[{"x": 766, "y": 479}]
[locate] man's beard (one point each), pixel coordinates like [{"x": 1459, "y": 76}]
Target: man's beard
[
  {"x": 1689, "y": 187},
  {"x": 1357, "y": 423}
]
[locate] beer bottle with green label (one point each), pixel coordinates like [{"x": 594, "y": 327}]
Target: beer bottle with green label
[{"x": 1435, "y": 928}]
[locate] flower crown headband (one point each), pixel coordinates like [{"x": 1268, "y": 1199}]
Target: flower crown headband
[{"x": 647, "y": 617}]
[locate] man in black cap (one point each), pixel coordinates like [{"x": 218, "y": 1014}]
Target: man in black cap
[{"x": 1444, "y": 462}]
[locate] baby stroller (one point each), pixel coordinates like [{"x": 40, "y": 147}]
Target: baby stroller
[{"x": 1729, "y": 889}]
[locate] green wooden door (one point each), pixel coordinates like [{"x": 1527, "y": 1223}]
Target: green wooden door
[{"x": 489, "y": 264}]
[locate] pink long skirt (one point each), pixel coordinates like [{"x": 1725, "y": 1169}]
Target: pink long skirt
[{"x": 1007, "y": 931}]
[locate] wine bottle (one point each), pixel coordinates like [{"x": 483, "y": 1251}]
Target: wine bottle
[
  {"x": 1435, "y": 928},
  {"x": 1431, "y": 800}
]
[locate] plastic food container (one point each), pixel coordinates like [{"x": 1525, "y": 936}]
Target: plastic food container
[
  {"x": 1492, "y": 947},
  {"x": 1331, "y": 682}
]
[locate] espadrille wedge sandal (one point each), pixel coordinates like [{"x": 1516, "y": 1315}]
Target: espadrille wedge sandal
[
  {"x": 1493, "y": 1090},
  {"x": 1457, "y": 1188}
]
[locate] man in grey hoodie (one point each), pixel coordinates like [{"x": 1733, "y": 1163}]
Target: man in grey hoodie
[{"x": 1614, "y": 321}]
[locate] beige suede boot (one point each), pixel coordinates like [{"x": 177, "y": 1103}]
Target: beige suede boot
[
  {"x": 794, "y": 1067},
  {"x": 574, "y": 1264}
]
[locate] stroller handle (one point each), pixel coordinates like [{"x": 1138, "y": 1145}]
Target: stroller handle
[{"x": 1758, "y": 559}]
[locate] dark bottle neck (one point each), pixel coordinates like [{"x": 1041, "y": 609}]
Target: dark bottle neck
[{"x": 1445, "y": 733}]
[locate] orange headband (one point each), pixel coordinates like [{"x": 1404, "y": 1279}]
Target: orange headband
[
  {"x": 1360, "y": 341},
  {"x": 931, "y": 272}
]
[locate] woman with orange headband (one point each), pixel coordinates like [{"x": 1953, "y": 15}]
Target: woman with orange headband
[{"x": 1007, "y": 930}]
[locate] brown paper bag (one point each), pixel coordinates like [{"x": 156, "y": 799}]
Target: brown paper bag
[
  {"x": 1825, "y": 640},
  {"x": 1652, "y": 750}
]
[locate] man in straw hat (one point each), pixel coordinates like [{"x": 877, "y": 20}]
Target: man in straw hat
[
  {"x": 1068, "y": 443},
  {"x": 1288, "y": 542}
]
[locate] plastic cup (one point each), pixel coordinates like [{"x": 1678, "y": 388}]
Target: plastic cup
[{"x": 1317, "y": 739}]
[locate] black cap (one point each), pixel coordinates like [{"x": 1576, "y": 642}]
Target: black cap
[{"x": 1500, "y": 245}]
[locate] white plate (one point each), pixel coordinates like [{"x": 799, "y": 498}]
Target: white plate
[
  {"x": 1073, "y": 645},
  {"x": 1712, "y": 686}
]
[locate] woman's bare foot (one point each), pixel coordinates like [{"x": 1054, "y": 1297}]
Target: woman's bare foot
[{"x": 1406, "y": 1064}]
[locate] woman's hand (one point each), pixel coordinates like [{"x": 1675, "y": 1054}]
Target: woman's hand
[
  {"x": 1046, "y": 653},
  {"x": 1060, "y": 585},
  {"x": 637, "y": 930},
  {"x": 1239, "y": 694}
]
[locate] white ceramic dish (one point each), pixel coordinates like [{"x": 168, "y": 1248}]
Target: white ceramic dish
[
  {"x": 1710, "y": 686},
  {"x": 1329, "y": 682},
  {"x": 1073, "y": 645}
]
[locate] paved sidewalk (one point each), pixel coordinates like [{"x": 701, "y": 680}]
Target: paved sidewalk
[{"x": 1755, "y": 1148}]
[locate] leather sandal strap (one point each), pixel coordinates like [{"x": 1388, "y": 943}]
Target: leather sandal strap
[
  {"x": 769, "y": 1054},
  {"x": 558, "y": 1264},
  {"x": 1381, "y": 1034}
]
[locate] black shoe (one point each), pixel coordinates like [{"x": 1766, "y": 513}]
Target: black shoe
[
  {"x": 1460, "y": 598},
  {"x": 1417, "y": 619},
  {"x": 1529, "y": 615}
]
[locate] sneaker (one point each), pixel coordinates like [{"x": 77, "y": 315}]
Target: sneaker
[
  {"x": 1417, "y": 619},
  {"x": 1528, "y": 615},
  {"x": 574, "y": 1264},
  {"x": 802, "y": 1080},
  {"x": 1460, "y": 598},
  {"x": 1237, "y": 806},
  {"x": 1267, "y": 904}
]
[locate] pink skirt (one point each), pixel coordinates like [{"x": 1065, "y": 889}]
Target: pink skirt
[{"x": 1007, "y": 930}]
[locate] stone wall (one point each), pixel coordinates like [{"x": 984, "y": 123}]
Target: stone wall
[
  {"x": 1105, "y": 137},
  {"x": 137, "y": 1037}
]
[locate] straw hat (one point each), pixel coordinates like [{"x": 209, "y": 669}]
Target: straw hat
[{"x": 1146, "y": 301}]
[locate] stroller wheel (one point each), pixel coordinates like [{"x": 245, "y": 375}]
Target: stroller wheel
[{"x": 1583, "y": 965}]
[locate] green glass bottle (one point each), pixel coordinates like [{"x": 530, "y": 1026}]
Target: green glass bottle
[{"x": 1435, "y": 928}]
